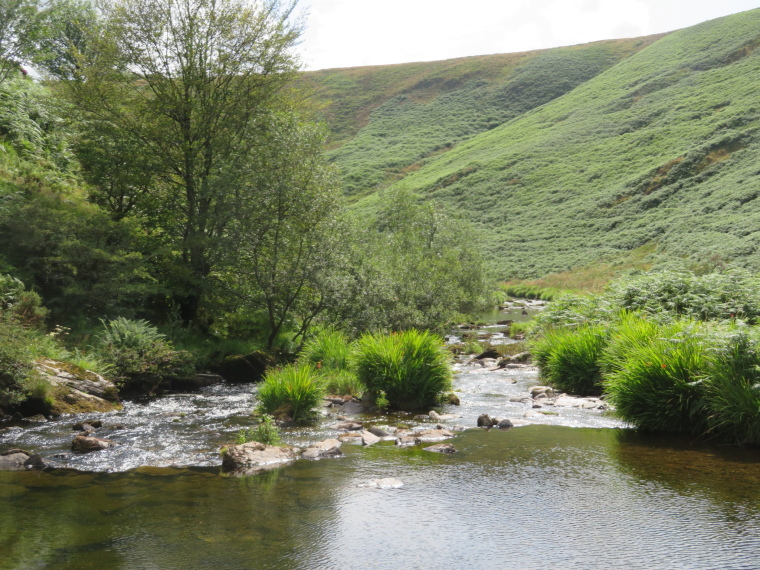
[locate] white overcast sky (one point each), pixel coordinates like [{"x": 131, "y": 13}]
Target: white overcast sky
[{"x": 347, "y": 33}]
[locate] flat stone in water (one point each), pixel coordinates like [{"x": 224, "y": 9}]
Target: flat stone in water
[
  {"x": 387, "y": 483},
  {"x": 441, "y": 448}
]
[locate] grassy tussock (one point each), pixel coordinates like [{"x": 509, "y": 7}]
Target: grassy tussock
[
  {"x": 658, "y": 386},
  {"x": 569, "y": 358},
  {"x": 293, "y": 390},
  {"x": 411, "y": 368}
]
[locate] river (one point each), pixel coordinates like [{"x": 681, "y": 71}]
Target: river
[{"x": 569, "y": 489}]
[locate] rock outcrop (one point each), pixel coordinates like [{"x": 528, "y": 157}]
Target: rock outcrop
[{"x": 76, "y": 390}]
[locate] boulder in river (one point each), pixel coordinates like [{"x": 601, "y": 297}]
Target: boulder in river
[
  {"x": 505, "y": 424},
  {"x": 429, "y": 435},
  {"x": 86, "y": 444},
  {"x": 321, "y": 449},
  {"x": 369, "y": 438},
  {"x": 251, "y": 457},
  {"x": 484, "y": 420},
  {"x": 76, "y": 390},
  {"x": 379, "y": 432},
  {"x": 20, "y": 460}
]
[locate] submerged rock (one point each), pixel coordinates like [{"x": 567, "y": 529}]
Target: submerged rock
[
  {"x": 86, "y": 444},
  {"x": 348, "y": 426},
  {"x": 387, "y": 483},
  {"x": 441, "y": 448}
]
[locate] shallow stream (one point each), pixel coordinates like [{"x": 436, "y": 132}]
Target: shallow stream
[{"x": 571, "y": 489}]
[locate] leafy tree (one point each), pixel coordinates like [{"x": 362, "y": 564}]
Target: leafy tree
[
  {"x": 18, "y": 22},
  {"x": 65, "y": 31},
  {"x": 291, "y": 237},
  {"x": 184, "y": 84},
  {"x": 419, "y": 267}
]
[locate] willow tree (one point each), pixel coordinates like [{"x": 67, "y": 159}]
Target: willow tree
[{"x": 180, "y": 86}]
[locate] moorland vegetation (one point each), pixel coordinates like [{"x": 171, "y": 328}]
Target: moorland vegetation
[{"x": 652, "y": 144}]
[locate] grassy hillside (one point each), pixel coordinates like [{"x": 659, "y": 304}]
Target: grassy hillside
[
  {"x": 661, "y": 147},
  {"x": 388, "y": 121}
]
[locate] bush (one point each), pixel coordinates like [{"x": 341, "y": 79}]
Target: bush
[
  {"x": 658, "y": 384},
  {"x": 293, "y": 390},
  {"x": 568, "y": 358},
  {"x": 411, "y": 368},
  {"x": 713, "y": 296},
  {"x": 266, "y": 432},
  {"x": 141, "y": 356},
  {"x": 16, "y": 368}
]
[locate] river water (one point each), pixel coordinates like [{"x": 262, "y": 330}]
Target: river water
[{"x": 569, "y": 489}]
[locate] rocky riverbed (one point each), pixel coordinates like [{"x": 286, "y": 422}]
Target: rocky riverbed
[{"x": 190, "y": 429}]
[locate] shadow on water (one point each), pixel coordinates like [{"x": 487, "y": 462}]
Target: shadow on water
[
  {"x": 536, "y": 496},
  {"x": 729, "y": 476}
]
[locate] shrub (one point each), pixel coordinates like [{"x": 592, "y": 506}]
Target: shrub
[
  {"x": 411, "y": 368},
  {"x": 658, "y": 385},
  {"x": 140, "y": 355},
  {"x": 292, "y": 390},
  {"x": 15, "y": 361},
  {"x": 733, "y": 390},
  {"x": 733, "y": 294},
  {"x": 266, "y": 432},
  {"x": 568, "y": 358}
]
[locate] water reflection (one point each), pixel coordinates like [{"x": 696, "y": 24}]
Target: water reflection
[{"x": 535, "y": 497}]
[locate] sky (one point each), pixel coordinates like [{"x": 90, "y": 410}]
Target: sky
[{"x": 348, "y": 33}]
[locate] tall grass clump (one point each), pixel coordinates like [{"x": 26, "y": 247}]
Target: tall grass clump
[
  {"x": 411, "y": 368},
  {"x": 732, "y": 385},
  {"x": 293, "y": 390},
  {"x": 658, "y": 384},
  {"x": 328, "y": 349},
  {"x": 568, "y": 358}
]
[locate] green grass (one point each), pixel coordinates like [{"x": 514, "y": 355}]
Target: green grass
[
  {"x": 293, "y": 390},
  {"x": 569, "y": 358},
  {"x": 658, "y": 386},
  {"x": 328, "y": 349},
  {"x": 732, "y": 387},
  {"x": 660, "y": 148},
  {"x": 374, "y": 110},
  {"x": 411, "y": 368}
]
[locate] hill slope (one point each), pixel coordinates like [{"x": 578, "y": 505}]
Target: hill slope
[
  {"x": 661, "y": 147},
  {"x": 388, "y": 120}
]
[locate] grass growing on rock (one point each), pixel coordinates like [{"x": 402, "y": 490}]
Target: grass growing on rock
[{"x": 410, "y": 368}]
